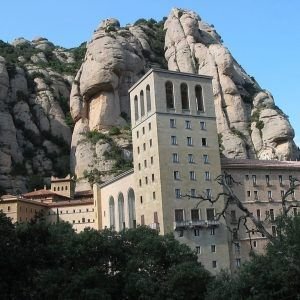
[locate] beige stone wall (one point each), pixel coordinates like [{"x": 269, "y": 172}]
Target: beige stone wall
[{"x": 262, "y": 177}]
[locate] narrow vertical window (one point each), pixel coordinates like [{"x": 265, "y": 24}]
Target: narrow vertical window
[
  {"x": 148, "y": 98},
  {"x": 199, "y": 98},
  {"x": 136, "y": 109},
  {"x": 169, "y": 94},
  {"x": 184, "y": 96},
  {"x": 142, "y": 103}
]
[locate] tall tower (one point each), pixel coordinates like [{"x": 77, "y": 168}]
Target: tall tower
[{"x": 176, "y": 159}]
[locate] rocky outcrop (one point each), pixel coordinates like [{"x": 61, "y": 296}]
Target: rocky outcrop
[{"x": 249, "y": 123}]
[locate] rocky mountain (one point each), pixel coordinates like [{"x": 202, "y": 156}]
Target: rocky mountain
[
  {"x": 36, "y": 82},
  {"x": 35, "y": 136}
]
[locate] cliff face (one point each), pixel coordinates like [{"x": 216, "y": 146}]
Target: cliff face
[
  {"x": 34, "y": 103},
  {"x": 37, "y": 79}
]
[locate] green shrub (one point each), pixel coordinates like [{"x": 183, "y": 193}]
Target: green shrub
[
  {"x": 238, "y": 133},
  {"x": 93, "y": 176},
  {"x": 114, "y": 131},
  {"x": 95, "y": 136}
]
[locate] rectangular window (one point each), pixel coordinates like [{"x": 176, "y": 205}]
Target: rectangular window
[
  {"x": 212, "y": 231},
  {"x": 137, "y": 134},
  {"x": 272, "y": 215},
  {"x": 142, "y": 220},
  {"x": 138, "y": 150},
  {"x": 258, "y": 214},
  {"x": 150, "y": 142},
  {"x": 193, "y": 193},
  {"x": 213, "y": 248},
  {"x": 255, "y": 195},
  {"x": 205, "y": 158},
  {"x": 214, "y": 264},
  {"x": 208, "y": 193},
  {"x": 198, "y": 249},
  {"x": 144, "y": 146},
  {"x": 151, "y": 160},
  {"x": 152, "y": 177},
  {"x": 149, "y": 126},
  {"x": 188, "y": 124},
  {"x": 192, "y": 175},
  {"x": 146, "y": 180},
  {"x": 189, "y": 141},
  {"x": 280, "y": 179},
  {"x": 267, "y": 180},
  {"x": 207, "y": 175},
  {"x": 204, "y": 142},
  {"x": 173, "y": 140},
  {"x": 274, "y": 231},
  {"x": 195, "y": 215},
  {"x": 155, "y": 217},
  {"x": 153, "y": 195},
  {"x": 179, "y": 216},
  {"x": 254, "y": 244},
  {"x": 238, "y": 262},
  {"x": 172, "y": 123},
  {"x": 202, "y": 125},
  {"x": 270, "y": 195},
  {"x": 177, "y": 193},
  {"x": 141, "y": 199},
  {"x": 254, "y": 180},
  {"x": 210, "y": 214},
  {"x": 175, "y": 157},
  {"x": 190, "y": 158},
  {"x": 282, "y": 193},
  {"x": 139, "y": 166},
  {"x": 83, "y": 220},
  {"x": 246, "y": 177},
  {"x": 145, "y": 163},
  {"x": 143, "y": 129},
  {"x": 8, "y": 208},
  {"x": 176, "y": 175},
  {"x": 295, "y": 211},
  {"x": 196, "y": 232}
]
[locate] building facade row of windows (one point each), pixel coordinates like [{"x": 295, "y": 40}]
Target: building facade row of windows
[
  {"x": 190, "y": 158},
  {"x": 60, "y": 188},
  {"x": 144, "y": 146},
  {"x": 194, "y": 215},
  {"x": 189, "y": 141},
  {"x": 140, "y": 107},
  {"x": 207, "y": 193},
  {"x": 145, "y": 163},
  {"x": 143, "y": 130},
  {"x": 267, "y": 179},
  {"x": 192, "y": 175},
  {"x": 269, "y": 195},
  {"x": 188, "y": 124}
]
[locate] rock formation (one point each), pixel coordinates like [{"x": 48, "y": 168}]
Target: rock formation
[{"x": 250, "y": 125}]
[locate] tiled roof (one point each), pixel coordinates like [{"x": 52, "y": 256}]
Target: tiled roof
[{"x": 42, "y": 193}]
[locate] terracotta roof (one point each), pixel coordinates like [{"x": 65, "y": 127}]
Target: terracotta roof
[
  {"x": 42, "y": 193},
  {"x": 258, "y": 164},
  {"x": 70, "y": 203}
]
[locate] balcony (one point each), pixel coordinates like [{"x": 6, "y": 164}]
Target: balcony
[
  {"x": 154, "y": 226},
  {"x": 181, "y": 225}
]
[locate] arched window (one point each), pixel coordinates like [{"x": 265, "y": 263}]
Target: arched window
[
  {"x": 142, "y": 103},
  {"x": 184, "y": 96},
  {"x": 121, "y": 212},
  {"x": 148, "y": 98},
  {"x": 136, "y": 109},
  {"x": 169, "y": 94},
  {"x": 199, "y": 98},
  {"x": 54, "y": 189},
  {"x": 131, "y": 208},
  {"x": 112, "y": 212},
  {"x": 62, "y": 188},
  {"x": 58, "y": 188}
]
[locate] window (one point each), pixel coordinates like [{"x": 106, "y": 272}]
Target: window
[
  {"x": 238, "y": 262},
  {"x": 282, "y": 193},
  {"x": 274, "y": 231},
  {"x": 142, "y": 103},
  {"x": 149, "y": 126},
  {"x": 195, "y": 215},
  {"x": 233, "y": 216},
  {"x": 248, "y": 193},
  {"x": 254, "y": 244},
  {"x": 137, "y": 134},
  {"x": 193, "y": 193},
  {"x": 89, "y": 220},
  {"x": 152, "y": 177},
  {"x": 192, "y": 175},
  {"x": 151, "y": 160},
  {"x": 267, "y": 180},
  {"x": 190, "y": 158},
  {"x": 210, "y": 214},
  {"x": 83, "y": 220},
  {"x": 66, "y": 187},
  {"x": 235, "y": 234},
  {"x": 146, "y": 180},
  {"x": 169, "y": 94},
  {"x": 280, "y": 179},
  {"x": 136, "y": 110},
  {"x": 153, "y": 195},
  {"x": 54, "y": 189},
  {"x": 141, "y": 199},
  {"x": 254, "y": 180},
  {"x": 189, "y": 141},
  {"x": 214, "y": 264},
  {"x": 58, "y": 188},
  {"x": 175, "y": 157},
  {"x": 142, "y": 220},
  {"x": 198, "y": 249},
  {"x": 8, "y": 208},
  {"x": 139, "y": 166},
  {"x": 184, "y": 96},
  {"x": 272, "y": 216},
  {"x": 144, "y": 146},
  {"x": 212, "y": 231},
  {"x": 172, "y": 123},
  {"x": 138, "y": 150},
  {"x": 207, "y": 175},
  {"x": 176, "y": 175},
  {"x": 62, "y": 188},
  {"x": 247, "y": 177},
  {"x": 143, "y": 130},
  {"x": 73, "y": 210},
  {"x": 204, "y": 142},
  {"x": 148, "y": 98},
  {"x": 270, "y": 195},
  {"x": 196, "y": 232},
  {"x": 150, "y": 142},
  {"x": 237, "y": 248},
  {"x": 202, "y": 125},
  {"x": 255, "y": 195},
  {"x": 295, "y": 211},
  {"x": 188, "y": 124},
  {"x": 208, "y": 193},
  {"x": 205, "y": 158},
  {"x": 258, "y": 214},
  {"x": 179, "y": 216},
  {"x": 177, "y": 193},
  {"x": 213, "y": 248},
  {"x": 199, "y": 98},
  {"x": 173, "y": 140},
  {"x": 145, "y": 163}
]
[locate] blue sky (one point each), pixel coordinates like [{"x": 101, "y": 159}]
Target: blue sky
[{"x": 263, "y": 35}]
